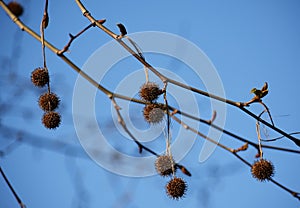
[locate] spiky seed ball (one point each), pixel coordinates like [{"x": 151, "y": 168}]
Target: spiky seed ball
[
  {"x": 163, "y": 165},
  {"x": 153, "y": 114},
  {"x": 15, "y": 8},
  {"x": 176, "y": 188},
  {"x": 262, "y": 170},
  {"x": 51, "y": 120},
  {"x": 150, "y": 91},
  {"x": 48, "y": 101},
  {"x": 40, "y": 77}
]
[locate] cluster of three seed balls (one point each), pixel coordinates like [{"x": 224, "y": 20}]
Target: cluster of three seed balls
[{"x": 48, "y": 101}]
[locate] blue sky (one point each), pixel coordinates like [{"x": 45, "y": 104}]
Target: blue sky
[{"x": 248, "y": 43}]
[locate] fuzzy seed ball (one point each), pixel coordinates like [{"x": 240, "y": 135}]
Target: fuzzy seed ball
[
  {"x": 163, "y": 165},
  {"x": 176, "y": 188},
  {"x": 48, "y": 101},
  {"x": 150, "y": 91},
  {"x": 15, "y": 8},
  {"x": 40, "y": 77},
  {"x": 51, "y": 120},
  {"x": 153, "y": 114},
  {"x": 262, "y": 170}
]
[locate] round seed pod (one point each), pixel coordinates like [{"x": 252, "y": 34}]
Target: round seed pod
[
  {"x": 164, "y": 165},
  {"x": 15, "y": 8},
  {"x": 262, "y": 170},
  {"x": 150, "y": 91},
  {"x": 51, "y": 120},
  {"x": 48, "y": 101},
  {"x": 176, "y": 188},
  {"x": 40, "y": 77},
  {"x": 153, "y": 114}
]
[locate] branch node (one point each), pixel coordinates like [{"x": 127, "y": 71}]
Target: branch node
[
  {"x": 174, "y": 112},
  {"x": 253, "y": 100},
  {"x": 242, "y": 148},
  {"x": 86, "y": 13}
]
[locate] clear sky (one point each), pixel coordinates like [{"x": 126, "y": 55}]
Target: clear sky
[{"x": 248, "y": 42}]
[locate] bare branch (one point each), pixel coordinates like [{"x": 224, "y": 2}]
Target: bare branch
[
  {"x": 22, "y": 205},
  {"x": 73, "y": 37}
]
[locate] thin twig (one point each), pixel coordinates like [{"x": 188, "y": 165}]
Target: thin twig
[
  {"x": 258, "y": 135},
  {"x": 277, "y": 138},
  {"x": 242, "y": 148},
  {"x": 293, "y": 193},
  {"x": 168, "y": 139},
  {"x": 22, "y": 205},
  {"x": 268, "y": 111},
  {"x": 168, "y": 119},
  {"x": 73, "y": 37},
  {"x": 43, "y": 26}
]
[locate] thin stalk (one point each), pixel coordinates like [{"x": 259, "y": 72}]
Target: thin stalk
[
  {"x": 72, "y": 38},
  {"x": 22, "y": 205}
]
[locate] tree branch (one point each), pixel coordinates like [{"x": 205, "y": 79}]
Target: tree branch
[
  {"x": 22, "y": 205},
  {"x": 164, "y": 79}
]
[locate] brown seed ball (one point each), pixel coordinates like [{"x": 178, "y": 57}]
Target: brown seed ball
[
  {"x": 15, "y": 8},
  {"x": 48, "y": 101},
  {"x": 164, "y": 164},
  {"x": 51, "y": 120},
  {"x": 176, "y": 188},
  {"x": 262, "y": 170},
  {"x": 40, "y": 77},
  {"x": 150, "y": 91},
  {"x": 153, "y": 114}
]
